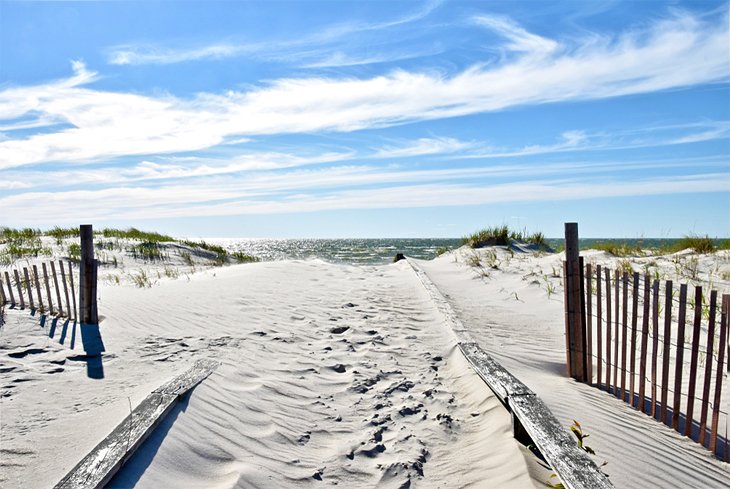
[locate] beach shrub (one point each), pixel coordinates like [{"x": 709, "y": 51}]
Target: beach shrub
[
  {"x": 242, "y": 257},
  {"x": 62, "y": 233},
  {"x": 441, "y": 250},
  {"x": 616, "y": 248},
  {"x": 134, "y": 233},
  {"x": 700, "y": 244},
  {"x": 147, "y": 251},
  {"x": 74, "y": 252}
]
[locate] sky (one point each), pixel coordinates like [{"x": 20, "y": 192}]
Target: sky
[{"x": 366, "y": 119}]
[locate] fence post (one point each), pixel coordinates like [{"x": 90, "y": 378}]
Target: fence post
[
  {"x": 87, "y": 277},
  {"x": 574, "y": 320}
]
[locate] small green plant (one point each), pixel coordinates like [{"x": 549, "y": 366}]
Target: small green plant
[
  {"x": 474, "y": 260},
  {"x": 141, "y": 279},
  {"x": 441, "y": 250},
  {"x": 242, "y": 257},
  {"x": 577, "y": 430},
  {"x": 625, "y": 266},
  {"x": 187, "y": 258},
  {"x": 74, "y": 252}
]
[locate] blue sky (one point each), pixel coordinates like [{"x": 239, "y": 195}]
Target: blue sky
[{"x": 366, "y": 119}]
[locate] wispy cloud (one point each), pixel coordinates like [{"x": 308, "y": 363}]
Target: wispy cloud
[
  {"x": 424, "y": 146},
  {"x": 108, "y": 124},
  {"x": 140, "y": 54}
]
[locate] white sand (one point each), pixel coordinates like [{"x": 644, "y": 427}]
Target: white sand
[
  {"x": 511, "y": 313},
  {"x": 381, "y": 401}
]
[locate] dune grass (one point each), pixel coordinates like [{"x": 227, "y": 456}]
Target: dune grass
[
  {"x": 503, "y": 236},
  {"x": 134, "y": 233}
]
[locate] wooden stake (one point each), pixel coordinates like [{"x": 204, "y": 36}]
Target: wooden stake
[
  {"x": 608, "y": 330},
  {"x": 624, "y": 332},
  {"x": 73, "y": 292},
  {"x": 20, "y": 291},
  {"x": 654, "y": 344},
  {"x": 599, "y": 332},
  {"x": 38, "y": 288},
  {"x": 693, "y": 361},
  {"x": 679, "y": 359},
  {"x": 29, "y": 288},
  {"x": 10, "y": 289},
  {"x": 65, "y": 289},
  {"x": 616, "y": 310},
  {"x": 48, "y": 288},
  {"x": 58, "y": 290},
  {"x": 589, "y": 323},
  {"x": 634, "y": 324},
  {"x": 724, "y": 318},
  {"x": 665, "y": 352},
  {"x": 87, "y": 277},
  {"x": 708, "y": 366},
  {"x": 644, "y": 343}
]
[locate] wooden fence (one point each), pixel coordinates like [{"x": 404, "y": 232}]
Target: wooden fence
[
  {"x": 49, "y": 290},
  {"x": 659, "y": 349}
]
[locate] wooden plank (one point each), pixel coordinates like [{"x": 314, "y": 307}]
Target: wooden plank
[
  {"x": 665, "y": 350},
  {"x": 616, "y": 310},
  {"x": 599, "y": 327},
  {"x": 624, "y": 332},
  {"x": 65, "y": 288},
  {"x": 87, "y": 277},
  {"x": 58, "y": 290},
  {"x": 589, "y": 322},
  {"x": 724, "y": 319},
  {"x": 697, "y": 326},
  {"x": 654, "y": 343},
  {"x": 679, "y": 358},
  {"x": 20, "y": 291},
  {"x": 48, "y": 288},
  {"x": 608, "y": 330},
  {"x": 2, "y": 292},
  {"x": 38, "y": 288},
  {"x": 73, "y": 291},
  {"x": 632, "y": 348},
  {"x": 708, "y": 366},
  {"x": 572, "y": 465},
  {"x": 29, "y": 288},
  {"x": 581, "y": 321},
  {"x": 644, "y": 343},
  {"x": 99, "y": 466},
  {"x": 10, "y": 289}
]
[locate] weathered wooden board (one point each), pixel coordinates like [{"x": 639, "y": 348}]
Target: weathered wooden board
[
  {"x": 99, "y": 466},
  {"x": 530, "y": 414}
]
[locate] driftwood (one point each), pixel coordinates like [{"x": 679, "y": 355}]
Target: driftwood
[{"x": 99, "y": 466}]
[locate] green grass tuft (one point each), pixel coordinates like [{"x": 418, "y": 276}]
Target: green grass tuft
[{"x": 134, "y": 233}]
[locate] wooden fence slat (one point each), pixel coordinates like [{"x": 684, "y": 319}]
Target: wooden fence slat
[
  {"x": 58, "y": 290},
  {"x": 708, "y": 366},
  {"x": 73, "y": 290},
  {"x": 665, "y": 352},
  {"x": 38, "y": 288},
  {"x": 608, "y": 329},
  {"x": 48, "y": 288},
  {"x": 654, "y": 344},
  {"x": 599, "y": 327},
  {"x": 644, "y": 343},
  {"x": 616, "y": 310},
  {"x": 20, "y": 291},
  {"x": 624, "y": 332},
  {"x": 589, "y": 323},
  {"x": 693, "y": 361},
  {"x": 65, "y": 289},
  {"x": 724, "y": 318},
  {"x": 568, "y": 313},
  {"x": 10, "y": 289},
  {"x": 29, "y": 288},
  {"x": 679, "y": 359},
  {"x": 2, "y": 292},
  {"x": 632, "y": 349}
]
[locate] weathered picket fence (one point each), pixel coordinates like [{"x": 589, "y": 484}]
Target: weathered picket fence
[
  {"x": 24, "y": 288},
  {"x": 662, "y": 353}
]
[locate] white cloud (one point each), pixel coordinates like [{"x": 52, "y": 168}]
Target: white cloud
[
  {"x": 107, "y": 124},
  {"x": 183, "y": 201},
  {"x": 519, "y": 39},
  {"x": 424, "y": 146}
]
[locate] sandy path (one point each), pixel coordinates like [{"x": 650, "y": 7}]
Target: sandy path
[
  {"x": 330, "y": 375},
  {"x": 523, "y": 328}
]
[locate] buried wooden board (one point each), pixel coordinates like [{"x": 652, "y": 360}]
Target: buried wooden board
[
  {"x": 530, "y": 414},
  {"x": 99, "y": 466}
]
